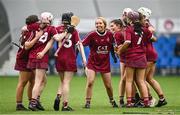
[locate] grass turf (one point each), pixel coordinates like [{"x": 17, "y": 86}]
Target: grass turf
[{"x": 100, "y": 102}]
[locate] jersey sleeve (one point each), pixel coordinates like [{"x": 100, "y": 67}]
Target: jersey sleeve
[
  {"x": 87, "y": 39},
  {"x": 53, "y": 31},
  {"x": 127, "y": 35},
  {"x": 116, "y": 38}
]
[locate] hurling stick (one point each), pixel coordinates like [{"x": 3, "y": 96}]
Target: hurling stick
[
  {"x": 83, "y": 56},
  {"x": 74, "y": 22},
  {"x": 17, "y": 45}
]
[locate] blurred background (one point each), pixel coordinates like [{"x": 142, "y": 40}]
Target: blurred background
[{"x": 165, "y": 18}]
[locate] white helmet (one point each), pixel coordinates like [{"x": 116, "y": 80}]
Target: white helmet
[
  {"x": 126, "y": 11},
  {"x": 145, "y": 11},
  {"x": 46, "y": 17}
]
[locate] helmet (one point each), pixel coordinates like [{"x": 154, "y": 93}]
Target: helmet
[
  {"x": 46, "y": 17},
  {"x": 126, "y": 11},
  {"x": 66, "y": 18},
  {"x": 133, "y": 16},
  {"x": 145, "y": 11}
]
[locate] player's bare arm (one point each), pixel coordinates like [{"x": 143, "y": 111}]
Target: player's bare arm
[
  {"x": 44, "y": 51},
  {"x": 81, "y": 50},
  {"x": 30, "y": 44},
  {"x": 123, "y": 47},
  {"x": 59, "y": 37}
]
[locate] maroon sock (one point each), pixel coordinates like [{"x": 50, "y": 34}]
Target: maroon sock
[
  {"x": 19, "y": 103},
  {"x": 38, "y": 98},
  {"x": 65, "y": 104},
  {"x": 121, "y": 97},
  {"x": 146, "y": 101},
  {"x": 33, "y": 101},
  {"x": 88, "y": 100},
  {"x": 129, "y": 100},
  {"x": 150, "y": 97},
  {"x": 161, "y": 97}
]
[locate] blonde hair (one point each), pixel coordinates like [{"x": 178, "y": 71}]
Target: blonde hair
[{"x": 104, "y": 21}]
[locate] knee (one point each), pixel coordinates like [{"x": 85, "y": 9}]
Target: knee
[
  {"x": 138, "y": 81},
  {"x": 108, "y": 86},
  {"x": 45, "y": 81},
  {"x": 42, "y": 82},
  {"x": 22, "y": 83},
  {"x": 123, "y": 80},
  {"x": 149, "y": 80},
  {"x": 90, "y": 84}
]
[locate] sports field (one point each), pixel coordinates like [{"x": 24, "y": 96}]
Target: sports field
[{"x": 100, "y": 103}]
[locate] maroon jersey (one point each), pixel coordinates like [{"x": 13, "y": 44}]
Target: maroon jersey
[
  {"x": 66, "y": 59},
  {"x": 119, "y": 40},
  {"x": 136, "y": 50},
  {"x": 151, "y": 53},
  {"x": 100, "y": 46},
  {"x": 49, "y": 32},
  {"x": 22, "y": 54}
]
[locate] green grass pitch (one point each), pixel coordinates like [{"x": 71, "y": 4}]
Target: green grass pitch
[{"x": 100, "y": 103}]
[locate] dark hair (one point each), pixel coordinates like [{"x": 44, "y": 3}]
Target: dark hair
[
  {"x": 66, "y": 18},
  {"x": 117, "y": 22},
  {"x": 138, "y": 25},
  {"x": 31, "y": 19}
]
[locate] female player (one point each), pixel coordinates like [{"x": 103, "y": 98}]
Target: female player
[
  {"x": 100, "y": 43},
  {"x": 151, "y": 56},
  {"x": 116, "y": 26},
  {"x": 38, "y": 56},
  {"x": 25, "y": 74},
  {"x": 66, "y": 61},
  {"x": 135, "y": 57}
]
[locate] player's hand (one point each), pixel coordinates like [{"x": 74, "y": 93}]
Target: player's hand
[
  {"x": 24, "y": 28},
  {"x": 115, "y": 49},
  {"x": 118, "y": 50},
  {"x": 70, "y": 29},
  {"x": 40, "y": 55},
  {"x": 151, "y": 29},
  {"x": 39, "y": 34}
]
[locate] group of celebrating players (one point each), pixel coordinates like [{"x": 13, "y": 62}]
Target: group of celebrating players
[{"x": 129, "y": 39}]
